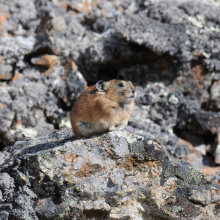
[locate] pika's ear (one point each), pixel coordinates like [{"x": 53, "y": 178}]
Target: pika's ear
[{"x": 100, "y": 85}]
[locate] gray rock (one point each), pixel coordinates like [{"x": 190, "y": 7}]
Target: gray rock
[
  {"x": 215, "y": 94},
  {"x": 45, "y": 208},
  {"x": 116, "y": 175},
  {"x": 15, "y": 48},
  {"x": 33, "y": 99},
  {"x": 7, "y": 187},
  {"x": 6, "y": 182},
  {"x": 4, "y": 215},
  {"x": 204, "y": 195},
  {"x": 203, "y": 122},
  {"x": 5, "y": 72},
  {"x": 6, "y": 207},
  {"x": 23, "y": 18},
  {"x": 6, "y": 113}
]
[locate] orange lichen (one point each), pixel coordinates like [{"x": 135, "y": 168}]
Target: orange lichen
[{"x": 17, "y": 76}]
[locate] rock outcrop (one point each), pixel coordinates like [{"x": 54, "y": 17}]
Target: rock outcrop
[{"x": 114, "y": 176}]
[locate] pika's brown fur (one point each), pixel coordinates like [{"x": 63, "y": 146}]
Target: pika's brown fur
[{"x": 103, "y": 107}]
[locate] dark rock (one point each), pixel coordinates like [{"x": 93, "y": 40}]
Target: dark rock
[
  {"x": 6, "y": 207},
  {"x": 101, "y": 25},
  {"x": 188, "y": 106},
  {"x": 4, "y": 215},
  {"x": 181, "y": 151},
  {"x": 203, "y": 122},
  {"x": 147, "y": 150},
  {"x": 24, "y": 208},
  {"x": 46, "y": 209},
  {"x": 44, "y": 44},
  {"x": 160, "y": 44}
]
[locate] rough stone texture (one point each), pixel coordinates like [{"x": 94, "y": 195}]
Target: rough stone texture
[
  {"x": 34, "y": 97},
  {"x": 205, "y": 122},
  {"x": 51, "y": 50},
  {"x": 21, "y": 16},
  {"x": 113, "y": 176},
  {"x": 216, "y": 149}
]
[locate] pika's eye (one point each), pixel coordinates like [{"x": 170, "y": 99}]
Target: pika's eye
[{"x": 121, "y": 85}]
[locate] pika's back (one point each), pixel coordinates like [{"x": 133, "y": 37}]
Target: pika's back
[{"x": 103, "y": 107}]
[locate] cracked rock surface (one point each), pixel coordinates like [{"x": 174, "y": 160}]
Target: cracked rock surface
[{"x": 114, "y": 176}]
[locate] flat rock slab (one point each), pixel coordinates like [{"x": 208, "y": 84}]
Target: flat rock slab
[{"x": 113, "y": 176}]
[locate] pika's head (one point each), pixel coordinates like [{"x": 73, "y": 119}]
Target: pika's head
[{"x": 119, "y": 91}]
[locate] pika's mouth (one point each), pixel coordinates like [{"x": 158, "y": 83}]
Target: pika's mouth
[{"x": 133, "y": 96}]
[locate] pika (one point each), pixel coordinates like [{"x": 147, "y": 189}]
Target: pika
[{"x": 103, "y": 107}]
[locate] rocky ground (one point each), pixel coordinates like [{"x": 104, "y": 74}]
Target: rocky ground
[
  {"x": 51, "y": 50},
  {"x": 113, "y": 176}
]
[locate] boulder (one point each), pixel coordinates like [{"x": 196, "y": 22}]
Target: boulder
[{"x": 113, "y": 176}]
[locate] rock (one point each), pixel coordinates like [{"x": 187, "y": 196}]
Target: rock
[
  {"x": 81, "y": 6},
  {"x": 113, "y": 176},
  {"x": 7, "y": 187},
  {"x": 21, "y": 17},
  {"x": 215, "y": 94},
  {"x": 217, "y": 149},
  {"x": 204, "y": 195},
  {"x": 52, "y": 17},
  {"x": 45, "y": 208},
  {"x": 44, "y": 43},
  {"x": 5, "y": 181},
  {"x": 4, "y": 215},
  {"x": 212, "y": 172},
  {"x": 203, "y": 122},
  {"x": 6, "y": 207},
  {"x": 32, "y": 97},
  {"x": 45, "y": 60},
  {"x": 15, "y": 48},
  {"x": 5, "y": 72},
  {"x": 6, "y": 113}
]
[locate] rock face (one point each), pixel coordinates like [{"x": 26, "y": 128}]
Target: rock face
[{"x": 114, "y": 176}]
